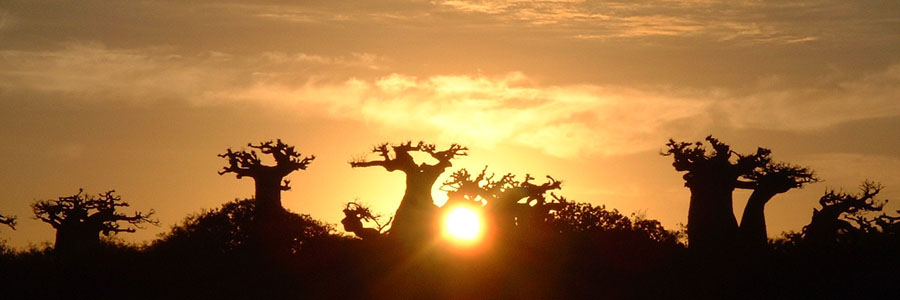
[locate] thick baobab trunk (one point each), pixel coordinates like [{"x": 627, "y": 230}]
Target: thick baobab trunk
[
  {"x": 76, "y": 240},
  {"x": 270, "y": 217},
  {"x": 711, "y": 222},
  {"x": 416, "y": 215},
  {"x": 753, "y": 221},
  {"x": 268, "y": 195}
]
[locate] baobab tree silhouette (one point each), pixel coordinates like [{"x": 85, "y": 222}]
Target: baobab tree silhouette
[
  {"x": 509, "y": 203},
  {"x": 80, "y": 219},
  {"x": 268, "y": 180},
  {"x": 269, "y": 215},
  {"x": 713, "y": 176},
  {"x": 8, "y": 221},
  {"x": 414, "y": 219},
  {"x": 832, "y": 223},
  {"x": 354, "y": 215}
]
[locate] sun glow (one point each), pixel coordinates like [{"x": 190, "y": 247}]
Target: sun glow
[{"x": 462, "y": 224}]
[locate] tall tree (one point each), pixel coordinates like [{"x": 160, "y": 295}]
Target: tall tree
[
  {"x": 80, "y": 219},
  {"x": 415, "y": 215},
  {"x": 269, "y": 229},
  {"x": 8, "y": 221},
  {"x": 268, "y": 180},
  {"x": 713, "y": 175},
  {"x": 766, "y": 182}
]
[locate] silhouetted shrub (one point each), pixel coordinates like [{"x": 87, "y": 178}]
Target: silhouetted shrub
[{"x": 231, "y": 228}]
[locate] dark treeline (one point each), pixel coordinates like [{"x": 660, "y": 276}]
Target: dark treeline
[{"x": 536, "y": 245}]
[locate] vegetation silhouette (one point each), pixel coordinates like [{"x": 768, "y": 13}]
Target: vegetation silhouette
[
  {"x": 510, "y": 204},
  {"x": 230, "y": 229},
  {"x": 539, "y": 245},
  {"x": 8, "y": 221},
  {"x": 354, "y": 215},
  {"x": 414, "y": 220},
  {"x": 270, "y": 222},
  {"x": 80, "y": 219},
  {"x": 713, "y": 175},
  {"x": 842, "y": 217}
]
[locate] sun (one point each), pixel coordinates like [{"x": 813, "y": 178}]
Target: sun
[{"x": 463, "y": 225}]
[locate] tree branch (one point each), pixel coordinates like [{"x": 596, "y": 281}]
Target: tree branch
[{"x": 8, "y": 221}]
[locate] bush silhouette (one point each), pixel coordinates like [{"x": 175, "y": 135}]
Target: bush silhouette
[{"x": 230, "y": 229}]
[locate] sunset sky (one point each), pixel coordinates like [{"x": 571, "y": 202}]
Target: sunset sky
[{"x": 140, "y": 96}]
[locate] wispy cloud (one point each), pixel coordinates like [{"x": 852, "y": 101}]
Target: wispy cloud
[
  {"x": 564, "y": 120},
  {"x": 481, "y": 110},
  {"x": 769, "y": 22}
]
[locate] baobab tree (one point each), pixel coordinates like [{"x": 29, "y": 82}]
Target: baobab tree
[
  {"x": 8, "y": 221},
  {"x": 510, "y": 203},
  {"x": 712, "y": 176},
  {"x": 354, "y": 215},
  {"x": 832, "y": 222},
  {"x": 80, "y": 219},
  {"x": 414, "y": 218},
  {"x": 270, "y": 220},
  {"x": 268, "y": 180},
  {"x": 766, "y": 182}
]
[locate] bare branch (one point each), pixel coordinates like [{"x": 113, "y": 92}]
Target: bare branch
[
  {"x": 8, "y": 221},
  {"x": 244, "y": 163},
  {"x": 85, "y": 210},
  {"x": 446, "y": 155}
]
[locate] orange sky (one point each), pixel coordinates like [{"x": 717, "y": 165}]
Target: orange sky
[{"x": 140, "y": 96}]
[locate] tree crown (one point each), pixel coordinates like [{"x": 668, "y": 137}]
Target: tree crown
[{"x": 98, "y": 212}]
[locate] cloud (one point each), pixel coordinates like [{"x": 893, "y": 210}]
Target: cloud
[
  {"x": 565, "y": 120},
  {"x": 871, "y": 96},
  {"x": 94, "y": 71},
  {"x": 744, "y": 22},
  {"x": 485, "y": 111}
]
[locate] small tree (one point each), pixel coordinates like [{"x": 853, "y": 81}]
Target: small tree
[
  {"x": 8, "y": 221},
  {"x": 355, "y": 214},
  {"x": 415, "y": 214},
  {"x": 834, "y": 222},
  {"x": 80, "y": 219},
  {"x": 269, "y": 180}
]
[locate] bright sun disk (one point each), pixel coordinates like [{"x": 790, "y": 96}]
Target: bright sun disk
[{"x": 462, "y": 224}]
